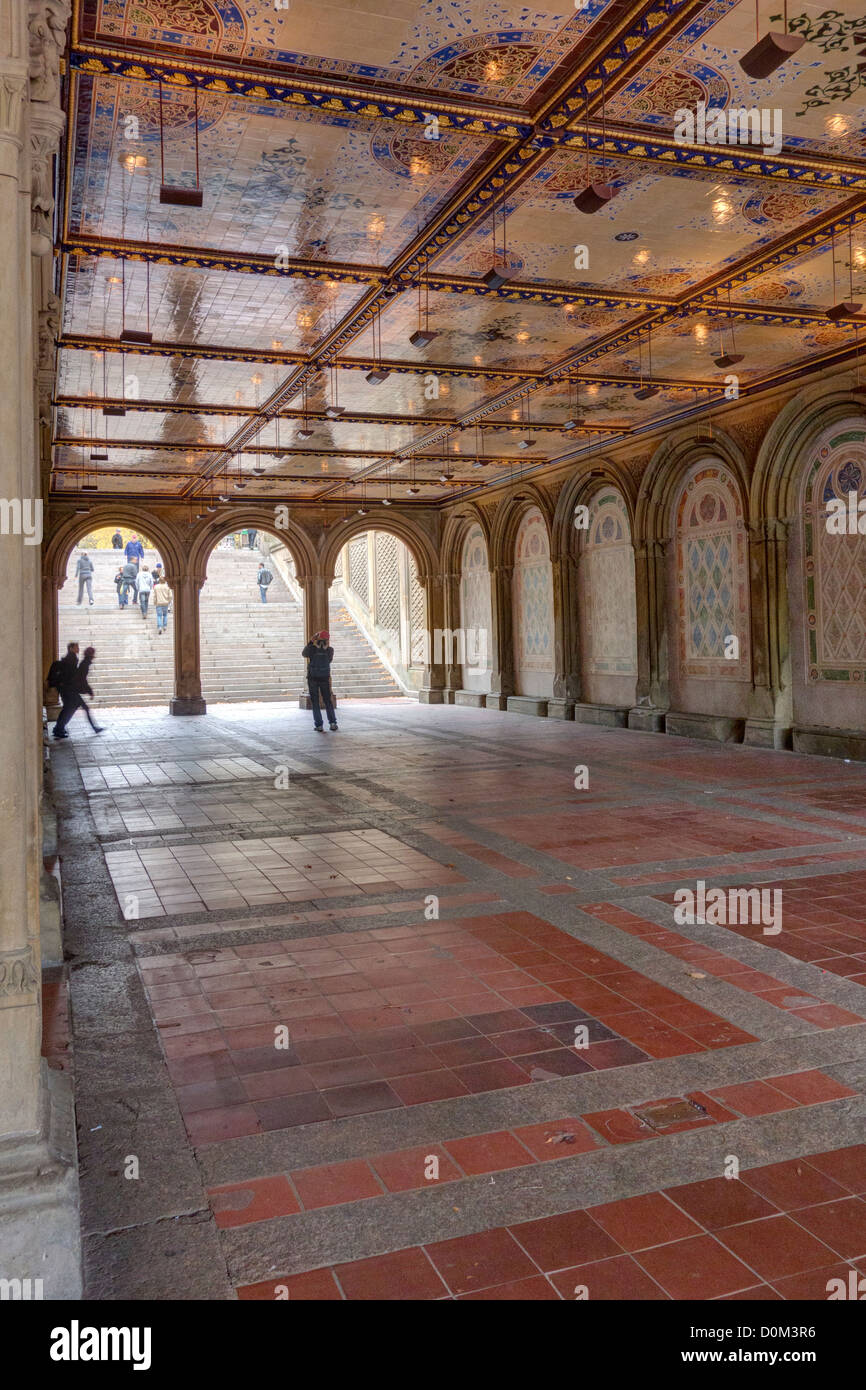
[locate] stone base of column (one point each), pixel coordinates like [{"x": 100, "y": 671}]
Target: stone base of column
[
  {"x": 474, "y": 698},
  {"x": 561, "y": 709},
  {"x": 431, "y": 697},
  {"x": 187, "y": 704},
  {"x": 611, "y": 716},
  {"x": 766, "y": 733},
  {"x": 646, "y": 719},
  {"x": 830, "y": 743},
  {"x": 527, "y": 704},
  {"x": 39, "y": 1203},
  {"x": 717, "y": 727},
  {"x": 496, "y": 701}
]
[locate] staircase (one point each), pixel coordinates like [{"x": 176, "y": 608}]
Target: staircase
[{"x": 249, "y": 650}]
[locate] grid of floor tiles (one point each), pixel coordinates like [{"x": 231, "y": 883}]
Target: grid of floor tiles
[
  {"x": 401, "y": 1015},
  {"x": 783, "y": 1231},
  {"x": 328, "y": 1047},
  {"x": 249, "y": 873}
]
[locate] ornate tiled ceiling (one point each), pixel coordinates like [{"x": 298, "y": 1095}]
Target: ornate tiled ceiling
[{"x": 360, "y": 171}]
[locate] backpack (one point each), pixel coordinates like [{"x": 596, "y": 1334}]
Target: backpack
[
  {"x": 265, "y": 578},
  {"x": 55, "y": 673}
]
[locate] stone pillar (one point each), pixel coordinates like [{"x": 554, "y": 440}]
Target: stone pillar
[
  {"x": 50, "y": 590},
  {"x": 770, "y": 718},
  {"x": 187, "y": 697},
  {"x": 453, "y": 623},
  {"x": 316, "y": 591},
  {"x": 566, "y": 680},
  {"x": 432, "y": 690},
  {"x": 38, "y": 1187},
  {"x": 502, "y": 637},
  {"x": 652, "y": 636}
]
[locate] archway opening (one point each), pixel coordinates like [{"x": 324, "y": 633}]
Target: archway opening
[
  {"x": 377, "y": 611},
  {"x": 109, "y": 601},
  {"x": 251, "y": 620}
]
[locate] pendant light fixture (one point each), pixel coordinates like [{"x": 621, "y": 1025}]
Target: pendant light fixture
[
  {"x": 645, "y": 393},
  {"x": 594, "y": 196},
  {"x": 845, "y": 307},
  {"x": 575, "y": 419},
  {"x": 498, "y": 274},
  {"x": 135, "y": 335},
  {"x": 380, "y": 372},
  {"x": 424, "y": 335},
  {"x": 413, "y": 487},
  {"x": 526, "y": 442},
  {"x": 771, "y": 51},
  {"x": 176, "y": 193},
  {"x": 333, "y": 411},
  {"x": 728, "y": 359}
]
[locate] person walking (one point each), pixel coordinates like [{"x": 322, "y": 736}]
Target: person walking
[
  {"x": 117, "y": 541},
  {"x": 319, "y": 657},
  {"x": 121, "y": 592},
  {"x": 134, "y": 551},
  {"x": 69, "y": 679},
  {"x": 130, "y": 581},
  {"x": 157, "y": 572},
  {"x": 84, "y": 575},
  {"x": 162, "y": 598},
  {"x": 145, "y": 585},
  {"x": 251, "y": 537},
  {"x": 263, "y": 579}
]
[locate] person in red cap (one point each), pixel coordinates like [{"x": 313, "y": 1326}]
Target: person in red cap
[{"x": 319, "y": 657}]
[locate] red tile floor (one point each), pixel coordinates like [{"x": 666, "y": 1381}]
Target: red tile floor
[{"x": 551, "y": 1090}]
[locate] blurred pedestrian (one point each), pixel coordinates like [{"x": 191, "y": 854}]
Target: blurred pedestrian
[
  {"x": 121, "y": 593},
  {"x": 69, "y": 679},
  {"x": 117, "y": 541}
]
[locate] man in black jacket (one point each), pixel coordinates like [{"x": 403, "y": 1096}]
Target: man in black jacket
[
  {"x": 319, "y": 657},
  {"x": 69, "y": 679},
  {"x": 117, "y": 541},
  {"x": 130, "y": 581}
]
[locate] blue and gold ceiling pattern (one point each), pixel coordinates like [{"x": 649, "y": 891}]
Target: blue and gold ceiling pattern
[{"x": 348, "y": 174}]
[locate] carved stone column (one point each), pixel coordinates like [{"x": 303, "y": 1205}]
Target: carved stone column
[
  {"x": 770, "y": 718},
  {"x": 453, "y": 623},
  {"x": 187, "y": 697},
  {"x": 432, "y": 691},
  {"x": 652, "y": 636},
  {"x": 566, "y": 680},
  {"x": 502, "y": 645},
  {"x": 39, "y": 1230}
]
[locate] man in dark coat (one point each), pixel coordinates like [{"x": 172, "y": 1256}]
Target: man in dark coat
[
  {"x": 117, "y": 541},
  {"x": 319, "y": 657},
  {"x": 130, "y": 581},
  {"x": 69, "y": 678}
]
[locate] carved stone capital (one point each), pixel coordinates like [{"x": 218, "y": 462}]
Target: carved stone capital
[
  {"x": 18, "y": 977},
  {"x": 13, "y": 90},
  {"x": 47, "y": 23}
]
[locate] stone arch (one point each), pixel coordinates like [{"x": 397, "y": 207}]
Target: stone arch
[
  {"x": 457, "y": 523},
  {"x": 476, "y": 608},
  {"x": 565, "y": 539},
  {"x": 406, "y": 529},
  {"x": 70, "y": 529},
  {"x": 533, "y": 604},
  {"x": 606, "y": 598},
  {"x": 204, "y": 538},
  {"x": 670, "y": 462},
  {"x": 67, "y": 529},
  {"x": 507, "y": 520},
  {"x": 814, "y": 453}
]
